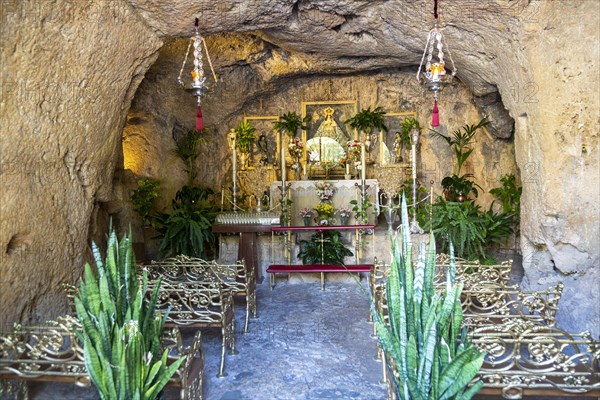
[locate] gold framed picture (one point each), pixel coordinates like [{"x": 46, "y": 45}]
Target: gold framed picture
[
  {"x": 391, "y": 149},
  {"x": 327, "y": 135}
]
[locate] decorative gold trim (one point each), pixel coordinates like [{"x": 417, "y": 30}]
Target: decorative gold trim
[{"x": 303, "y": 104}]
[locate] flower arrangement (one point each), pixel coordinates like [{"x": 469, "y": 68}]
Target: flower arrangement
[
  {"x": 344, "y": 212},
  {"x": 325, "y": 209},
  {"x": 354, "y": 149},
  {"x": 306, "y": 213},
  {"x": 325, "y": 191},
  {"x": 296, "y": 148}
]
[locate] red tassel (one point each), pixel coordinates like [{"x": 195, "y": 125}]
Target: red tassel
[
  {"x": 199, "y": 120},
  {"x": 435, "y": 117}
]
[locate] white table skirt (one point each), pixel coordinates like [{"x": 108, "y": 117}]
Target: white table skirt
[{"x": 304, "y": 195}]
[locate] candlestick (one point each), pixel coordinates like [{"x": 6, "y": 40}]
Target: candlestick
[
  {"x": 304, "y": 169},
  {"x": 222, "y": 197},
  {"x": 282, "y": 162},
  {"x": 234, "y": 178},
  {"x": 363, "y": 159}
]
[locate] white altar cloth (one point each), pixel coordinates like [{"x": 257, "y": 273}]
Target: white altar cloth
[{"x": 304, "y": 195}]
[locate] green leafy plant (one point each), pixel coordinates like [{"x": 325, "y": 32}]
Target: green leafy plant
[
  {"x": 188, "y": 229},
  {"x": 360, "y": 209},
  {"x": 423, "y": 207},
  {"x": 187, "y": 151},
  {"x": 366, "y": 120},
  {"x": 459, "y": 188},
  {"x": 406, "y": 127},
  {"x": 290, "y": 123},
  {"x": 509, "y": 194},
  {"x": 120, "y": 330},
  {"x": 472, "y": 231},
  {"x": 432, "y": 355},
  {"x": 458, "y": 223},
  {"x": 143, "y": 198},
  {"x": 245, "y": 135},
  {"x": 328, "y": 249},
  {"x": 460, "y": 142}
]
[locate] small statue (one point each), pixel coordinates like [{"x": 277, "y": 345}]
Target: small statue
[{"x": 263, "y": 147}]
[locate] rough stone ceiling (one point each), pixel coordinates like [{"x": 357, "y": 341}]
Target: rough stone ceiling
[{"x": 350, "y": 35}]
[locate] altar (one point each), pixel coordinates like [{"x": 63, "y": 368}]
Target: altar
[{"x": 303, "y": 195}]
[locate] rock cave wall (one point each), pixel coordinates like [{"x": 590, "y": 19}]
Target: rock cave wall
[
  {"x": 67, "y": 85},
  {"x": 64, "y": 100}
]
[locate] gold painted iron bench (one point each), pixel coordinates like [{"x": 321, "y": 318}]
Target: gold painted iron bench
[
  {"x": 528, "y": 359},
  {"x": 238, "y": 277},
  {"x": 198, "y": 305},
  {"x": 51, "y": 352},
  {"x": 314, "y": 268}
]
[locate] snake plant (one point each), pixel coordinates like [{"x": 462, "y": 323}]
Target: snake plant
[
  {"x": 120, "y": 330},
  {"x": 424, "y": 340}
]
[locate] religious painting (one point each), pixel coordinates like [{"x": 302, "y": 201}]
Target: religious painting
[
  {"x": 326, "y": 136},
  {"x": 391, "y": 149},
  {"x": 266, "y": 146}
]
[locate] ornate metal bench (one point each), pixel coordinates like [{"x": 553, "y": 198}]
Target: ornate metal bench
[
  {"x": 51, "y": 352},
  {"x": 198, "y": 305},
  {"x": 488, "y": 305},
  {"x": 238, "y": 277},
  {"x": 472, "y": 273},
  {"x": 528, "y": 359}
]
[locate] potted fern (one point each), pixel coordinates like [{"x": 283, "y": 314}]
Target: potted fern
[
  {"x": 290, "y": 123},
  {"x": 366, "y": 120},
  {"x": 121, "y": 331},
  {"x": 428, "y": 348}
]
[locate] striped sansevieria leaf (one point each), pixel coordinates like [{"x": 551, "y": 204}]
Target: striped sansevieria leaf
[
  {"x": 423, "y": 338},
  {"x": 121, "y": 331}
]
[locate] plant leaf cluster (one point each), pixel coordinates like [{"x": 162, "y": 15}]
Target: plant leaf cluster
[
  {"x": 472, "y": 231},
  {"x": 245, "y": 135},
  {"x": 360, "y": 210},
  {"x": 290, "y": 123},
  {"x": 433, "y": 358},
  {"x": 120, "y": 330},
  {"x": 326, "y": 250},
  {"x": 406, "y": 127},
  {"x": 143, "y": 198},
  {"x": 188, "y": 229},
  {"x": 460, "y": 142},
  {"x": 187, "y": 151},
  {"x": 366, "y": 120}
]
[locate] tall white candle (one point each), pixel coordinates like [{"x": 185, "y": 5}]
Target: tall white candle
[
  {"x": 347, "y": 167},
  {"x": 363, "y": 159},
  {"x": 282, "y": 162},
  {"x": 304, "y": 169}
]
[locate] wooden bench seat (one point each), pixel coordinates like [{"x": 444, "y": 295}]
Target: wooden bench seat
[{"x": 314, "y": 268}]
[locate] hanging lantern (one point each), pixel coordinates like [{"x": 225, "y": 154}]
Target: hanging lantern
[
  {"x": 198, "y": 84},
  {"x": 434, "y": 75}
]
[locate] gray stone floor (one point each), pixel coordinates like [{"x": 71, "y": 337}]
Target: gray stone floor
[{"x": 306, "y": 344}]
